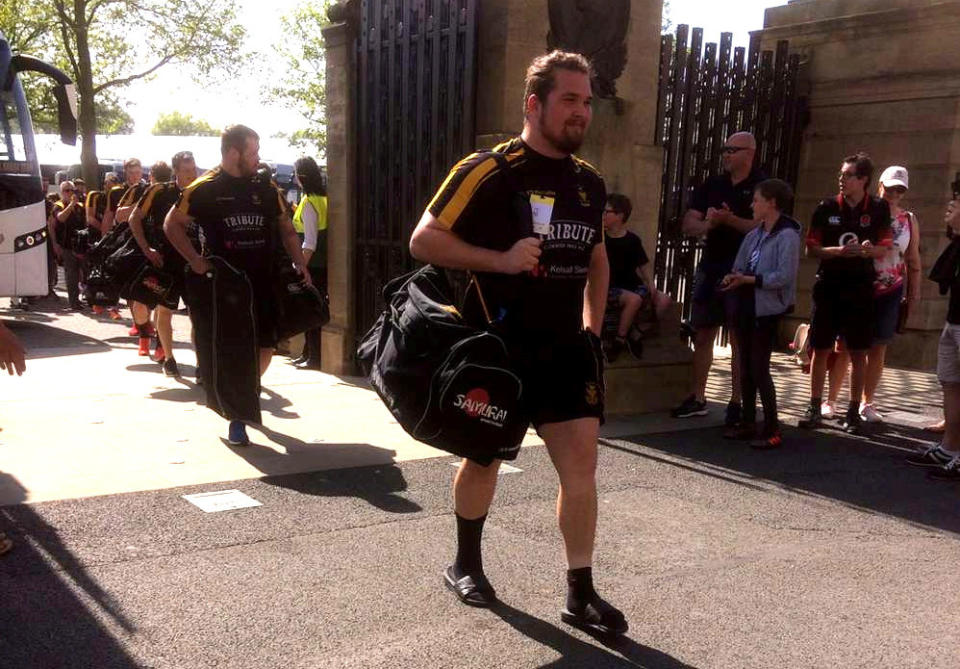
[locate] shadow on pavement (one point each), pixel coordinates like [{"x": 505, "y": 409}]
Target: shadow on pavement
[
  {"x": 325, "y": 470},
  {"x": 43, "y": 621},
  {"x": 47, "y": 341},
  {"x": 867, "y": 473},
  {"x": 576, "y": 653}
]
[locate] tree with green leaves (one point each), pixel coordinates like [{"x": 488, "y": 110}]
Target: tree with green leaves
[
  {"x": 181, "y": 125},
  {"x": 302, "y": 86},
  {"x": 108, "y": 44}
]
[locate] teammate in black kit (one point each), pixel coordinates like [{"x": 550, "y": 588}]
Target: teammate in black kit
[
  {"x": 239, "y": 214},
  {"x": 847, "y": 233},
  {"x": 532, "y": 232},
  {"x": 146, "y": 224}
]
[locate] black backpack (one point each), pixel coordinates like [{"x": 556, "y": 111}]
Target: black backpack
[{"x": 448, "y": 384}]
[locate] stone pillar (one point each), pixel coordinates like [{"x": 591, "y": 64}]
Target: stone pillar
[
  {"x": 883, "y": 77},
  {"x": 338, "y": 337}
]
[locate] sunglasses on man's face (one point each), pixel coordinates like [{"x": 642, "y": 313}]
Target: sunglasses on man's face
[
  {"x": 69, "y": 190},
  {"x": 730, "y": 150},
  {"x": 848, "y": 175}
]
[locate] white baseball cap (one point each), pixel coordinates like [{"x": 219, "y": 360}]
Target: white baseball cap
[{"x": 895, "y": 176}]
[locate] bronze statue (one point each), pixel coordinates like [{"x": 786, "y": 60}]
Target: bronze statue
[{"x": 598, "y": 30}]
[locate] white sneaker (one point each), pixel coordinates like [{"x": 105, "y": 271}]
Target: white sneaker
[
  {"x": 826, "y": 410},
  {"x": 870, "y": 414}
]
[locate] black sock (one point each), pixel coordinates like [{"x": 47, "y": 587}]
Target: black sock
[
  {"x": 142, "y": 329},
  {"x": 580, "y": 590},
  {"x": 469, "y": 536},
  {"x": 853, "y": 407},
  {"x": 815, "y": 403}
]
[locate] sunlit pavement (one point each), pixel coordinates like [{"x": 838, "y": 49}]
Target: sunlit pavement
[{"x": 829, "y": 552}]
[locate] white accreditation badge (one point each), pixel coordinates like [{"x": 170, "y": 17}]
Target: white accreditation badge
[{"x": 541, "y": 206}]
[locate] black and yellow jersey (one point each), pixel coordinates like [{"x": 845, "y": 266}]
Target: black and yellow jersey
[
  {"x": 124, "y": 195},
  {"x": 154, "y": 204},
  {"x": 493, "y": 203},
  {"x": 66, "y": 231},
  {"x": 236, "y": 216},
  {"x": 96, "y": 204}
]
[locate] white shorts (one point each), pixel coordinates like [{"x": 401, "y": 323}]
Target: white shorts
[{"x": 948, "y": 354}]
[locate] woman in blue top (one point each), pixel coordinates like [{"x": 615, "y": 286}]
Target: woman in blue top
[{"x": 764, "y": 279}]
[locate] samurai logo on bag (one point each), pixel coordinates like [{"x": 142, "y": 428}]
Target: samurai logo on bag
[{"x": 476, "y": 404}]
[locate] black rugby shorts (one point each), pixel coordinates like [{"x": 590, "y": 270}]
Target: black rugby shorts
[
  {"x": 562, "y": 378},
  {"x": 841, "y": 310}
]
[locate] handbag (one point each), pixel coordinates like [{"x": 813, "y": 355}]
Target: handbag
[{"x": 448, "y": 384}]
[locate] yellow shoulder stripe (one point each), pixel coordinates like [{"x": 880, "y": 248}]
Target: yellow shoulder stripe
[{"x": 184, "y": 205}]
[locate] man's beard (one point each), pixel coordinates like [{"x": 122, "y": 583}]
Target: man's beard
[{"x": 565, "y": 141}]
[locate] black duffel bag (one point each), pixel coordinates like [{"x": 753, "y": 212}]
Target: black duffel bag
[
  {"x": 448, "y": 384},
  {"x": 299, "y": 307},
  {"x": 100, "y": 290},
  {"x": 149, "y": 286}
]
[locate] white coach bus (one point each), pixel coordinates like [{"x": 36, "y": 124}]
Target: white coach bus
[{"x": 23, "y": 224}]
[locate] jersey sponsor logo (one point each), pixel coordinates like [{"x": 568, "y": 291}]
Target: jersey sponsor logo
[
  {"x": 865, "y": 221},
  {"x": 244, "y": 222},
  {"x": 476, "y": 404},
  {"x": 834, "y": 220},
  {"x": 572, "y": 232}
]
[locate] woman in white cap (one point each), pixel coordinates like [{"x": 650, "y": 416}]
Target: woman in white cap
[{"x": 896, "y": 288}]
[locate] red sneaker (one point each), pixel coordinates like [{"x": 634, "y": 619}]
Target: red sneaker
[
  {"x": 144, "y": 346},
  {"x": 158, "y": 354},
  {"x": 97, "y": 309},
  {"x": 115, "y": 314},
  {"x": 133, "y": 331}
]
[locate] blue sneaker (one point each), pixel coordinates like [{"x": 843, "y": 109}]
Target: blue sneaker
[{"x": 237, "y": 434}]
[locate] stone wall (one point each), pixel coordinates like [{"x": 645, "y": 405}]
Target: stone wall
[{"x": 884, "y": 77}]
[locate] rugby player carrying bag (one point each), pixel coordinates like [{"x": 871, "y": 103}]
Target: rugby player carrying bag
[{"x": 448, "y": 384}]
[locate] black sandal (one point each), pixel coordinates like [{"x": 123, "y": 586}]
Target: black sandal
[
  {"x": 598, "y": 617},
  {"x": 472, "y": 590}
]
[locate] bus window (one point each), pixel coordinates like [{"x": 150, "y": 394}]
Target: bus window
[{"x": 12, "y": 147}]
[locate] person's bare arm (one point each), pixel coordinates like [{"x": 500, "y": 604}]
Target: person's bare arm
[
  {"x": 432, "y": 243},
  {"x": 694, "y": 224},
  {"x": 12, "y": 356},
  {"x": 913, "y": 262},
  {"x": 123, "y": 213},
  {"x": 107, "y": 222},
  {"x": 136, "y": 227},
  {"x": 723, "y": 216},
  {"x": 175, "y": 228},
  {"x": 291, "y": 242},
  {"x": 643, "y": 271},
  {"x": 66, "y": 212},
  {"x": 595, "y": 293}
]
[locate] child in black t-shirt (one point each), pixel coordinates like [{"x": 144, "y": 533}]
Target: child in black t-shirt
[{"x": 631, "y": 279}]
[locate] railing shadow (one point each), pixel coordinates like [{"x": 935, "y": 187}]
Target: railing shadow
[
  {"x": 866, "y": 473},
  {"x": 43, "y": 620}
]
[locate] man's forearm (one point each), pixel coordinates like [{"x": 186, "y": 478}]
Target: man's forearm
[
  {"x": 136, "y": 227},
  {"x": 742, "y": 225},
  {"x": 291, "y": 242},
  {"x": 177, "y": 235},
  {"x": 445, "y": 249},
  {"x": 595, "y": 294}
]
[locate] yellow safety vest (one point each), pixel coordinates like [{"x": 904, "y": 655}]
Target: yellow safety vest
[{"x": 319, "y": 203}]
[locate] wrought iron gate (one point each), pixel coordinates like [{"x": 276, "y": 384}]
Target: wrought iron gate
[
  {"x": 703, "y": 99},
  {"x": 415, "y": 118}
]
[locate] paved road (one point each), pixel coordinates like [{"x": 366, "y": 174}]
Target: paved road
[{"x": 828, "y": 553}]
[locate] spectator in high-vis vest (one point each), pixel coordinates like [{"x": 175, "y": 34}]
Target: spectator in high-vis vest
[{"x": 310, "y": 222}]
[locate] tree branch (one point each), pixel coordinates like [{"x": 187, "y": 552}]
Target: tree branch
[
  {"x": 123, "y": 81},
  {"x": 65, "y": 23}
]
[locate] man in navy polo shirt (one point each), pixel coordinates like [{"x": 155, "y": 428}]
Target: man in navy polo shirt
[
  {"x": 721, "y": 211},
  {"x": 847, "y": 233}
]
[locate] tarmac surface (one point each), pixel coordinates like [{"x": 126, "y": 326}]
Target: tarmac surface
[{"x": 827, "y": 553}]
